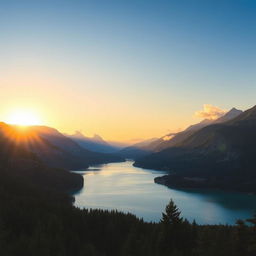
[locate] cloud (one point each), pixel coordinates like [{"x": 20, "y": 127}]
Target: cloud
[
  {"x": 210, "y": 112},
  {"x": 168, "y": 137}
]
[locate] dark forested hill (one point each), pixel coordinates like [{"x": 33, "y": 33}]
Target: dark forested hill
[
  {"x": 21, "y": 166},
  {"x": 219, "y": 155},
  {"x": 52, "y": 147}
]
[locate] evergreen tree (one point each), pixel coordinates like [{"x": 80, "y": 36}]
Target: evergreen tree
[
  {"x": 172, "y": 225},
  {"x": 171, "y": 215}
]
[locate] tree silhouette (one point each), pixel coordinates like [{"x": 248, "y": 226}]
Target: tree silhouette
[{"x": 171, "y": 214}]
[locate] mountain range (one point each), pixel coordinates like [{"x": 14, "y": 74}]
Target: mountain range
[
  {"x": 95, "y": 143},
  {"x": 181, "y": 136},
  {"x": 137, "y": 150},
  {"x": 53, "y": 148},
  {"x": 169, "y": 140},
  {"x": 219, "y": 155}
]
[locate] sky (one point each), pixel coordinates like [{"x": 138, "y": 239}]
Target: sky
[{"x": 126, "y": 69}]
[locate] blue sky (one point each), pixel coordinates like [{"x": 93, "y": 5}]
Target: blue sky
[{"x": 135, "y": 65}]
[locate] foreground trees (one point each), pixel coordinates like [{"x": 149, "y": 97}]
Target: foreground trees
[
  {"x": 177, "y": 234},
  {"x": 41, "y": 221}
]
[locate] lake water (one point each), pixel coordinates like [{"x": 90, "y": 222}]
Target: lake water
[{"x": 127, "y": 188}]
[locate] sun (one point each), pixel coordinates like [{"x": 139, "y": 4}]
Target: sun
[{"x": 23, "y": 118}]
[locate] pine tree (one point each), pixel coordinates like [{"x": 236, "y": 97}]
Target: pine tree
[
  {"x": 171, "y": 214},
  {"x": 172, "y": 226}
]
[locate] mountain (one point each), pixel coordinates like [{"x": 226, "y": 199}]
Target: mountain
[
  {"x": 96, "y": 143},
  {"x": 157, "y": 144},
  {"x": 170, "y": 140},
  {"x": 181, "y": 136},
  {"x": 219, "y": 155},
  {"x": 20, "y": 164},
  {"x": 137, "y": 150},
  {"x": 53, "y": 148},
  {"x": 162, "y": 143},
  {"x": 233, "y": 113}
]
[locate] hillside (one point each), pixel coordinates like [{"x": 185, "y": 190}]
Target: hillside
[
  {"x": 170, "y": 140},
  {"x": 181, "y": 136},
  {"x": 52, "y": 147},
  {"x": 18, "y": 163},
  {"x": 220, "y": 155}
]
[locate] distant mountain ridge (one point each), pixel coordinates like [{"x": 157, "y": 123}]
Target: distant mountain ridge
[
  {"x": 158, "y": 144},
  {"x": 137, "y": 150},
  {"x": 179, "y": 137},
  {"x": 95, "y": 143},
  {"x": 219, "y": 155}
]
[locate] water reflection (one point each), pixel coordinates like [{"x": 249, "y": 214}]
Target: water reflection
[{"x": 126, "y": 188}]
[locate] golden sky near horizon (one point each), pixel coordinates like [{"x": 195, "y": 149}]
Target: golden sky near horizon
[
  {"x": 54, "y": 103},
  {"x": 115, "y": 115},
  {"x": 58, "y": 105}
]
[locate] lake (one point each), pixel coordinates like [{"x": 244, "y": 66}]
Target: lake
[{"x": 127, "y": 188}]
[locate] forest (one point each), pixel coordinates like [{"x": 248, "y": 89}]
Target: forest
[{"x": 41, "y": 220}]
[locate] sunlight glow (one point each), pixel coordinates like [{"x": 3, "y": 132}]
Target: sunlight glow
[{"x": 23, "y": 118}]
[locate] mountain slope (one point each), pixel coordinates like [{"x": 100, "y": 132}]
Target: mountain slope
[
  {"x": 19, "y": 163},
  {"x": 181, "y": 136},
  {"x": 52, "y": 147},
  {"x": 170, "y": 140},
  {"x": 233, "y": 113},
  {"x": 219, "y": 155},
  {"x": 137, "y": 150}
]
